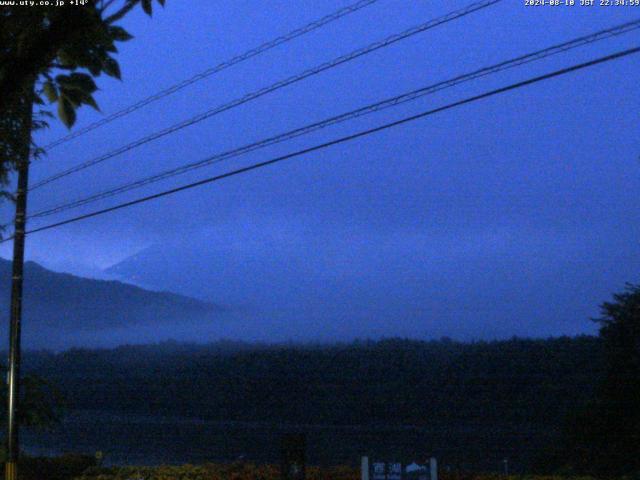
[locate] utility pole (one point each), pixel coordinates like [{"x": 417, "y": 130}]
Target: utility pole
[{"x": 13, "y": 374}]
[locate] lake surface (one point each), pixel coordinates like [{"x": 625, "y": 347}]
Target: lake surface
[{"x": 129, "y": 439}]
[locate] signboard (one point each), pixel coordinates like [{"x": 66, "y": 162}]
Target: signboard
[
  {"x": 378, "y": 470},
  {"x": 416, "y": 471},
  {"x": 386, "y": 471},
  {"x": 394, "y": 471}
]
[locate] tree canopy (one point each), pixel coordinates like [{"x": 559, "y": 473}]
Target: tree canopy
[
  {"x": 51, "y": 55},
  {"x": 604, "y": 438}
]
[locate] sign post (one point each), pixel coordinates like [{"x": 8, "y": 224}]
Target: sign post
[
  {"x": 364, "y": 468},
  {"x": 433, "y": 468}
]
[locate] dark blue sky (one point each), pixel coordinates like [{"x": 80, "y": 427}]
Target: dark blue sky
[{"x": 514, "y": 215}]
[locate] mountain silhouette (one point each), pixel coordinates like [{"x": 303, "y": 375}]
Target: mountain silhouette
[{"x": 59, "y": 305}]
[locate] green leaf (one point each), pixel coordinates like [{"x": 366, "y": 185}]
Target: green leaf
[
  {"x": 66, "y": 59},
  {"x": 66, "y": 112},
  {"x": 146, "y": 6},
  {"x": 94, "y": 68},
  {"x": 119, "y": 34},
  {"x": 73, "y": 96},
  {"x": 77, "y": 81},
  {"x": 62, "y": 80},
  {"x": 83, "y": 82},
  {"x": 111, "y": 68},
  {"x": 89, "y": 100},
  {"x": 50, "y": 91},
  {"x": 79, "y": 97}
]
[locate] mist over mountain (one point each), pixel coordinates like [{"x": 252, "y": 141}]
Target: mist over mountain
[
  {"x": 288, "y": 280},
  {"x": 275, "y": 280},
  {"x": 62, "y": 310}
]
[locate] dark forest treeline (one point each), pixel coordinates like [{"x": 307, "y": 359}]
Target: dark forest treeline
[{"x": 391, "y": 382}]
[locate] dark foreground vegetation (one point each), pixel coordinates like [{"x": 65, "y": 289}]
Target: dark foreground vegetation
[
  {"x": 472, "y": 403},
  {"x": 392, "y": 382}
]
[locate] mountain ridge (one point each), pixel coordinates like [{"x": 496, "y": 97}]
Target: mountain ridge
[{"x": 62, "y": 305}]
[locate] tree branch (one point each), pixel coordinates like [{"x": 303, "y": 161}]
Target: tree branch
[{"x": 122, "y": 12}]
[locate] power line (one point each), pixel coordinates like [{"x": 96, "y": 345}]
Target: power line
[
  {"x": 378, "y": 106},
  {"x": 340, "y": 140},
  {"x": 298, "y": 32},
  {"x": 276, "y": 86}
]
